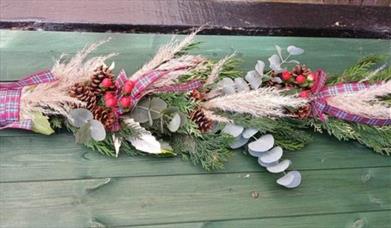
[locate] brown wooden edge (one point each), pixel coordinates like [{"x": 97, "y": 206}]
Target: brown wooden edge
[{"x": 223, "y": 18}]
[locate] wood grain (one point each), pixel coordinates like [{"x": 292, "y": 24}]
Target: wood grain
[
  {"x": 365, "y": 219},
  {"x": 23, "y": 52},
  {"x": 27, "y": 158},
  {"x": 151, "y": 200},
  {"x": 48, "y": 181},
  {"x": 227, "y": 17}
]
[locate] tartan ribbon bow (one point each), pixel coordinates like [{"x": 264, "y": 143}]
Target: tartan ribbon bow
[
  {"x": 142, "y": 87},
  {"x": 320, "y": 107},
  {"x": 10, "y": 94}
]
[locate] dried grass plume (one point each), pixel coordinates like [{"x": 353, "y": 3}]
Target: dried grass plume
[{"x": 263, "y": 102}]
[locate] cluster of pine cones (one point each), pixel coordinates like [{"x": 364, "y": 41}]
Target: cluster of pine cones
[{"x": 91, "y": 93}]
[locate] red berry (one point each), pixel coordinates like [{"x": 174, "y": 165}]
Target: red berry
[
  {"x": 126, "y": 102},
  {"x": 128, "y": 87},
  {"x": 304, "y": 94},
  {"x": 311, "y": 77},
  {"x": 286, "y": 75},
  {"x": 300, "y": 79},
  {"x": 109, "y": 95},
  {"x": 106, "y": 83},
  {"x": 111, "y": 102}
]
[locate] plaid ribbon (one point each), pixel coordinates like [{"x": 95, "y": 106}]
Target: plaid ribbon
[
  {"x": 10, "y": 93},
  {"x": 149, "y": 78},
  {"x": 146, "y": 80},
  {"x": 321, "y": 93},
  {"x": 182, "y": 87}
]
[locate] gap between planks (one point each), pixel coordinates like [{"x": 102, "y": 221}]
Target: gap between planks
[{"x": 157, "y": 225}]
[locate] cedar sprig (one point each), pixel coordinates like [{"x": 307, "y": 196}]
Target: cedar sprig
[
  {"x": 377, "y": 138},
  {"x": 211, "y": 151},
  {"x": 228, "y": 70},
  {"x": 359, "y": 71}
]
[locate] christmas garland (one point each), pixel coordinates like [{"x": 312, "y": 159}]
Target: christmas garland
[{"x": 202, "y": 110}]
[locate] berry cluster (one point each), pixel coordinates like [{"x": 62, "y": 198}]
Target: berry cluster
[
  {"x": 110, "y": 98},
  {"x": 300, "y": 77}
]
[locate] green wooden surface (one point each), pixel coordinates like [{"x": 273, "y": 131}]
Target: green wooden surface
[{"x": 48, "y": 181}]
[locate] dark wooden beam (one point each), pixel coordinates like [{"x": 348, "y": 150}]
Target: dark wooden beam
[{"x": 222, "y": 16}]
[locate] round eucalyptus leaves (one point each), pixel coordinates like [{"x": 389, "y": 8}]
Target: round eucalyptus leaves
[
  {"x": 267, "y": 153},
  {"x": 88, "y": 128}
]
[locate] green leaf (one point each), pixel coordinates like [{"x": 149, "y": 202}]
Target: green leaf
[{"x": 41, "y": 124}]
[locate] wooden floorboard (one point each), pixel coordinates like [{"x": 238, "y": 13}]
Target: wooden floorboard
[
  {"x": 378, "y": 219},
  {"x": 48, "y": 181},
  {"x": 23, "y": 52},
  {"x": 57, "y": 157},
  {"x": 151, "y": 200}
]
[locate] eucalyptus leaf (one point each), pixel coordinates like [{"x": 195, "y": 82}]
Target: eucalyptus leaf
[
  {"x": 275, "y": 63},
  {"x": 272, "y": 155},
  {"x": 98, "y": 132},
  {"x": 266, "y": 164},
  {"x": 226, "y": 82},
  {"x": 279, "y": 51},
  {"x": 254, "y": 79},
  {"x": 293, "y": 50},
  {"x": 80, "y": 116},
  {"x": 279, "y": 167},
  {"x": 83, "y": 134},
  {"x": 277, "y": 80},
  {"x": 260, "y": 67},
  {"x": 233, "y": 130},
  {"x": 290, "y": 180},
  {"x": 139, "y": 115},
  {"x": 262, "y": 144},
  {"x": 157, "y": 106},
  {"x": 249, "y": 132},
  {"x": 238, "y": 142},
  {"x": 229, "y": 89},
  {"x": 241, "y": 85},
  {"x": 254, "y": 153},
  {"x": 175, "y": 123}
]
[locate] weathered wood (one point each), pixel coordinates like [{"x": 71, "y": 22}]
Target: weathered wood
[
  {"x": 227, "y": 17},
  {"x": 27, "y": 158},
  {"x": 48, "y": 181},
  {"x": 365, "y": 219},
  {"x": 23, "y": 52},
  {"x": 168, "y": 199}
]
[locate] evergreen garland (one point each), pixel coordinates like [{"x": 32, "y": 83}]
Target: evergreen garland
[{"x": 210, "y": 151}]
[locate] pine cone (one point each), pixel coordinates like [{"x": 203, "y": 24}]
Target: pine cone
[
  {"x": 83, "y": 93},
  {"x": 197, "y": 95},
  {"x": 301, "y": 69},
  {"x": 204, "y": 124},
  {"x": 105, "y": 115},
  {"x": 99, "y": 75},
  {"x": 303, "y": 112}
]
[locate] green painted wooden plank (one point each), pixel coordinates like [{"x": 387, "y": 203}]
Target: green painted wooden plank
[
  {"x": 54, "y": 157},
  {"x": 191, "y": 198},
  {"x": 352, "y": 220},
  {"x": 23, "y": 52}
]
